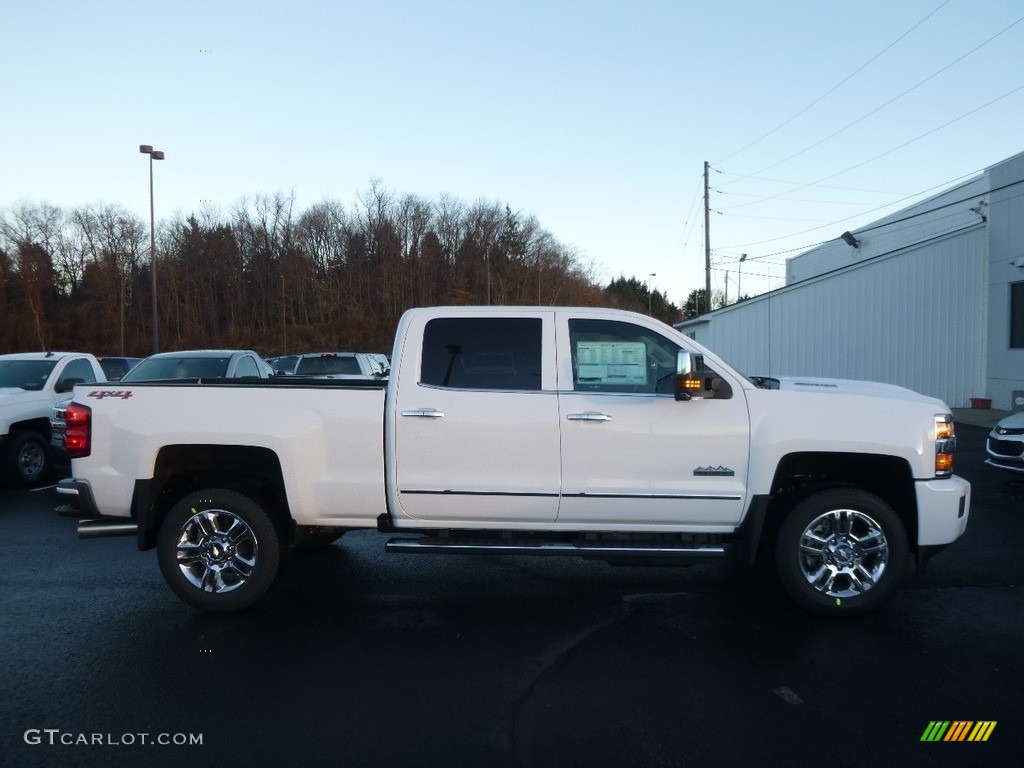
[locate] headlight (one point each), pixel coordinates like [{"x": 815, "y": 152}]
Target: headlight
[{"x": 945, "y": 444}]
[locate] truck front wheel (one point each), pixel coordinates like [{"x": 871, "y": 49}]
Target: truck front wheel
[
  {"x": 28, "y": 459},
  {"x": 841, "y": 551},
  {"x": 219, "y": 550}
]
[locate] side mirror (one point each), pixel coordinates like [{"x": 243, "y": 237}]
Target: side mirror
[
  {"x": 693, "y": 381},
  {"x": 689, "y": 383}
]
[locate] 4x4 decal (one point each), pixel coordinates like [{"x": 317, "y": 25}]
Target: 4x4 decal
[{"x": 102, "y": 394}]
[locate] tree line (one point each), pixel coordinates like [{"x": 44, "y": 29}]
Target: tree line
[{"x": 269, "y": 277}]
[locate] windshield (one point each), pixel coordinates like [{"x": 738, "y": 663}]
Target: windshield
[
  {"x": 284, "y": 364},
  {"x": 328, "y": 365},
  {"x": 25, "y": 374},
  {"x": 175, "y": 367}
]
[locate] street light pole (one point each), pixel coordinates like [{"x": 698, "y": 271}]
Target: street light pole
[
  {"x": 154, "y": 154},
  {"x": 653, "y": 274},
  {"x": 739, "y": 278}
]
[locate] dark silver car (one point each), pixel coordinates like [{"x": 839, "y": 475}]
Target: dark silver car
[{"x": 201, "y": 364}]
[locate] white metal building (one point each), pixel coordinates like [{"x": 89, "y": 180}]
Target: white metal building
[{"x": 930, "y": 298}]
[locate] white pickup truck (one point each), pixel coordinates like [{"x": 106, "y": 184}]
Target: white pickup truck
[
  {"x": 525, "y": 431},
  {"x": 30, "y": 384}
]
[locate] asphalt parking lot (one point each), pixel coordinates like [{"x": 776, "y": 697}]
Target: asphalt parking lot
[{"x": 359, "y": 658}]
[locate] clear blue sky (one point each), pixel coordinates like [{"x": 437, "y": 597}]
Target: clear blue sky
[{"x": 595, "y": 117}]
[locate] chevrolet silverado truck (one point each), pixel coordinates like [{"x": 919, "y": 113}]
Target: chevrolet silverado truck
[
  {"x": 30, "y": 384},
  {"x": 525, "y": 431}
]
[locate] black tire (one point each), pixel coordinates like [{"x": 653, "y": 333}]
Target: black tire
[
  {"x": 840, "y": 552},
  {"x": 28, "y": 461},
  {"x": 219, "y": 550}
]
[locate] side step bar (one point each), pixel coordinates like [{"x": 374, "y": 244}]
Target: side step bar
[
  {"x": 98, "y": 529},
  {"x": 434, "y": 546}
]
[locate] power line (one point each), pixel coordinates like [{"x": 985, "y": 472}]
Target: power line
[
  {"x": 910, "y": 216},
  {"x": 892, "y": 100},
  {"x": 858, "y": 215},
  {"x": 837, "y": 85},
  {"x": 923, "y": 135},
  {"x": 796, "y": 183},
  {"x": 688, "y": 222},
  {"x": 889, "y": 152},
  {"x": 768, "y": 218},
  {"x": 819, "y": 201},
  {"x": 902, "y": 220},
  {"x": 734, "y": 258}
]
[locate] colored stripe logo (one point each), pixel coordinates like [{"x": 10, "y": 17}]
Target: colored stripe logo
[{"x": 959, "y": 730}]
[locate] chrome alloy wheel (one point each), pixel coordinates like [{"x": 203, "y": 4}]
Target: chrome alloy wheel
[
  {"x": 843, "y": 553},
  {"x": 217, "y": 551}
]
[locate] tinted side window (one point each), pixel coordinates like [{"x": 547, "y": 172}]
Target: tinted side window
[
  {"x": 78, "y": 369},
  {"x": 610, "y": 356},
  {"x": 246, "y": 367},
  {"x": 483, "y": 353}
]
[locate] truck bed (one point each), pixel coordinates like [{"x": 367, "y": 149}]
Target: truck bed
[{"x": 327, "y": 435}]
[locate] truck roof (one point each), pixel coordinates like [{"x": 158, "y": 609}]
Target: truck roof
[
  {"x": 204, "y": 353},
  {"x": 479, "y": 310},
  {"x": 39, "y": 355}
]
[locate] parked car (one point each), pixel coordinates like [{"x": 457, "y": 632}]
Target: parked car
[
  {"x": 1005, "y": 445},
  {"x": 30, "y": 383},
  {"x": 383, "y": 361},
  {"x": 117, "y": 367},
  {"x": 341, "y": 365},
  {"x": 284, "y": 365},
  {"x": 201, "y": 364}
]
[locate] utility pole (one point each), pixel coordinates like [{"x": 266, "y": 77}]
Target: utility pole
[{"x": 707, "y": 243}]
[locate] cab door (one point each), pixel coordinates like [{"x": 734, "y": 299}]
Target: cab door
[
  {"x": 476, "y": 432},
  {"x": 631, "y": 454}
]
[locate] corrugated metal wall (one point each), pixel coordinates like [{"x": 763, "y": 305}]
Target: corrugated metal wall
[
  {"x": 1006, "y": 251},
  {"x": 915, "y": 318},
  {"x": 942, "y": 214}
]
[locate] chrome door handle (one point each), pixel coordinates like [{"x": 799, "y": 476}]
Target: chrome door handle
[
  {"x": 424, "y": 413},
  {"x": 589, "y": 416}
]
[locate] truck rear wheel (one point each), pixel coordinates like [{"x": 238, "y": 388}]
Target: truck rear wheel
[
  {"x": 28, "y": 459},
  {"x": 219, "y": 550},
  {"x": 841, "y": 551}
]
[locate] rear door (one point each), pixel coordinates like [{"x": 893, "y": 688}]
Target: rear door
[{"x": 476, "y": 433}]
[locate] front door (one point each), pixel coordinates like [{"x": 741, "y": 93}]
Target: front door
[{"x": 631, "y": 454}]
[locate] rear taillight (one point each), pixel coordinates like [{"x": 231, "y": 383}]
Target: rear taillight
[{"x": 78, "y": 431}]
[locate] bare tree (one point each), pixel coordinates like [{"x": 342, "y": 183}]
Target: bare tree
[{"x": 268, "y": 276}]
